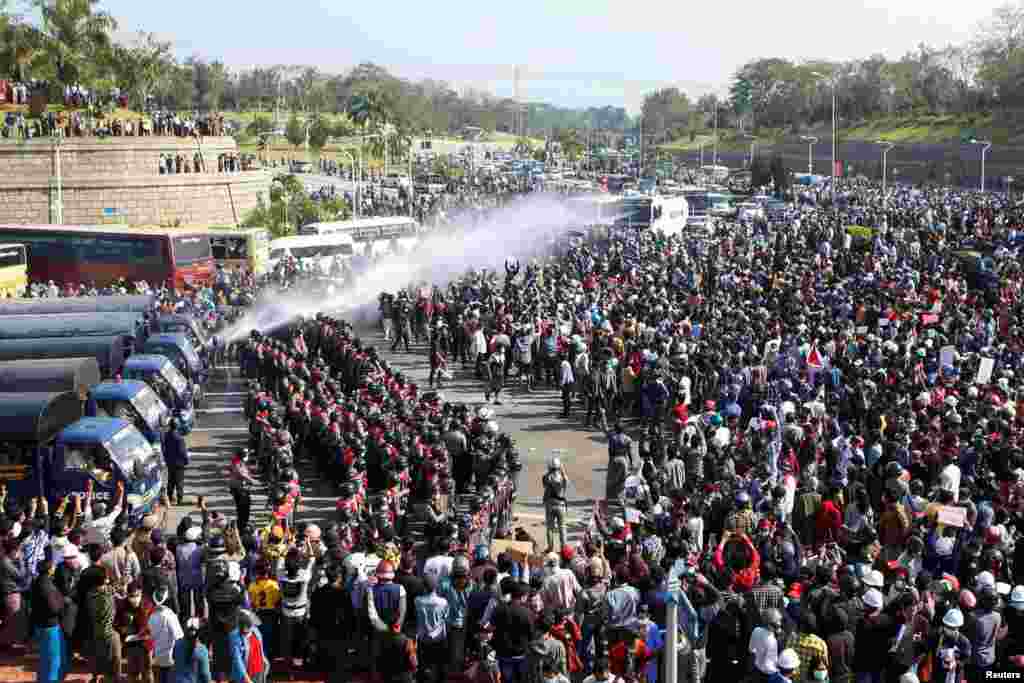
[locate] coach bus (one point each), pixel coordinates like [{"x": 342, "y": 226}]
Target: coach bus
[
  {"x": 367, "y": 229},
  {"x": 13, "y": 270},
  {"x": 247, "y": 248},
  {"x": 106, "y": 254},
  {"x": 319, "y": 250}
]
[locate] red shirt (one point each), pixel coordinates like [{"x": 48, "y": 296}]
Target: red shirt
[{"x": 830, "y": 520}]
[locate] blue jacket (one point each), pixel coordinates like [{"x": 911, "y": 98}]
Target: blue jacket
[
  {"x": 239, "y": 648},
  {"x": 175, "y": 449},
  {"x": 196, "y": 671}
]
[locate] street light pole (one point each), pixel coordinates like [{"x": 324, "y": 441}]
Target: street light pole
[
  {"x": 886, "y": 146},
  {"x": 811, "y": 142},
  {"x": 352, "y": 159},
  {"x": 714, "y": 161},
  {"x": 753, "y": 148},
  {"x": 985, "y": 145}
]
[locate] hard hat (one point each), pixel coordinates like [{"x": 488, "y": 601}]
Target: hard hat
[
  {"x": 788, "y": 660},
  {"x": 873, "y": 579}
]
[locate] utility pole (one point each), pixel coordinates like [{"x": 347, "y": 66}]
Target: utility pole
[
  {"x": 714, "y": 161},
  {"x": 639, "y": 168}
]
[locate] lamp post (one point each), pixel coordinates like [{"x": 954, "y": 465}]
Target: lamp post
[
  {"x": 811, "y": 142},
  {"x": 352, "y": 159},
  {"x": 714, "y": 160},
  {"x": 753, "y": 148},
  {"x": 886, "y": 146},
  {"x": 985, "y": 146},
  {"x": 832, "y": 82}
]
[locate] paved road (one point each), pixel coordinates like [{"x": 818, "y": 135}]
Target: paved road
[{"x": 531, "y": 419}]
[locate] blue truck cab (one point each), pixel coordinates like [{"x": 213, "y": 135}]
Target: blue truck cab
[
  {"x": 163, "y": 377},
  {"x": 135, "y": 402},
  {"x": 179, "y": 350},
  {"x": 108, "y": 450},
  {"x": 47, "y": 448}
]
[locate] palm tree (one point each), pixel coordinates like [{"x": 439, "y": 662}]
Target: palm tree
[{"x": 75, "y": 36}]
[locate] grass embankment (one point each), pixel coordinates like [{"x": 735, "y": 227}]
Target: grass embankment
[{"x": 905, "y": 129}]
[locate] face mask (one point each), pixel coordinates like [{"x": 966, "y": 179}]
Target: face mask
[
  {"x": 135, "y": 602},
  {"x": 821, "y": 675}
]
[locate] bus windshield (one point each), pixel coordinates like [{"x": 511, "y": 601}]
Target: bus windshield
[
  {"x": 175, "y": 379},
  {"x": 150, "y": 407},
  {"x": 129, "y": 450}
]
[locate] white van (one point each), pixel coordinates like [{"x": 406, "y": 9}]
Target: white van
[{"x": 322, "y": 247}]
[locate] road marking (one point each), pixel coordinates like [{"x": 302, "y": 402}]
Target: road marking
[
  {"x": 220, "y": 429},
  {"x": 225, "y": 393},
  {"x": 220, "y": 410}
]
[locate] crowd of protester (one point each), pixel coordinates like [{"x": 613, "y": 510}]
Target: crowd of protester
[{"x": 814, "y": 432}]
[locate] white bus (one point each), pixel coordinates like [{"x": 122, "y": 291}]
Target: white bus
[
  {"x": 382, "y": 232},
  {"x": 322, "y": 248}
]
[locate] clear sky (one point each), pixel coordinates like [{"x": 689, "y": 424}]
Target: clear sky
[{"x": 573, "y": 52}]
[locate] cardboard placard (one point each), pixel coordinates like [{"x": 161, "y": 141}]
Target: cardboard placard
[
  {"x": 946, "y": 355},
  {"x": 985, "y": 371},
  {"x": 952, "y": 516},
  {"x": 518, "y": 551},
  {"x": 861, "y": 330},
  {"x": 632, "y": 515}
]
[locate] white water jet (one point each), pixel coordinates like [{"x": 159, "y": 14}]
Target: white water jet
[{"x": 518, "y": 231}]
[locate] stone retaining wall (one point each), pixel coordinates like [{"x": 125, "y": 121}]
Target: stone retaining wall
[{"x": 117, "y": 180}]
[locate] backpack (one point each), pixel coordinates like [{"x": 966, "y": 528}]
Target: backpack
[
  {"x": 550, "y": 346},
  {"x": 732, "y": 628}
]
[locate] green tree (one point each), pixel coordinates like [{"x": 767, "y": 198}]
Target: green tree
[
  {"x": 208, "y": 81},
  {"x": 139, "y": 66},
  {"x": 295, "y": 132},
  {"x": 259, "y": 125},
  {"x": 75, "y": 37},
  {"x": 319, "y": 132}
]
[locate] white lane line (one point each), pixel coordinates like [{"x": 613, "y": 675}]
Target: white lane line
[
  {"x": 221, "y": 410},
  {"x": 225, "y": 393},
  {"x": 220, "y": 429}
]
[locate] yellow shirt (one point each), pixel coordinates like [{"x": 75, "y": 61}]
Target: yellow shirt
[{"x": 264, "y": 594}]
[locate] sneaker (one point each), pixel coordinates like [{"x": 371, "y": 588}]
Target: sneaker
[
  {"x": 497, "y": 402},
  {"x": 487, "y": 396}
]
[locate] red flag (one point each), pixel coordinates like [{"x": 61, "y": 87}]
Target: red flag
[{"x": 814, "y": 358}]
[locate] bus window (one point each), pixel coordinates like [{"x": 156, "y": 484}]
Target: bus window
[
  {"x": 13, "y": 270},
  {"x": 191, "y": 248},
  {"x": 229, "y": 248}
]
